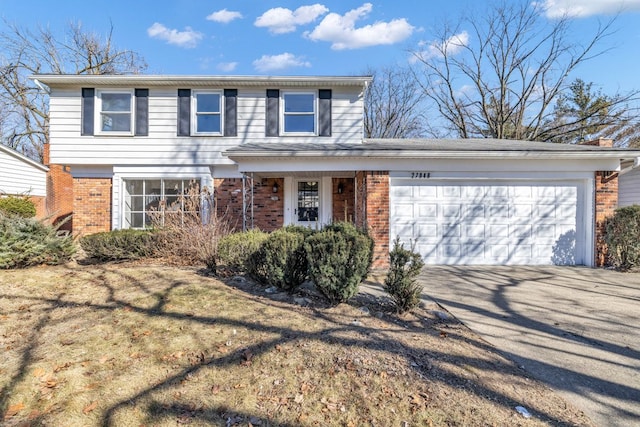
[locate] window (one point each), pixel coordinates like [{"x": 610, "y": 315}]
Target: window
[
  {"x": 146, "y": 201},
  {"x": 207, "y": 107},
  {"x": 115, "y": 112},
  {"x": 299, "y": 113}
]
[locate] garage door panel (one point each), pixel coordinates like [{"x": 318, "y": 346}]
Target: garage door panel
[{"x": 489, "y": 222}]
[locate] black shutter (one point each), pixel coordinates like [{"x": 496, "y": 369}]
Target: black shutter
[
  {"x": 142, "y": 112},
  {"x": 184, "y": 112},
  {"x": 88, "y": 103},
  {"x": 230, "y": 112},
  {"x": 273, "y": 103},
  {"x": 324, "y": 112}
]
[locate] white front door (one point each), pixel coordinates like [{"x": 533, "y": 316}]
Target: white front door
[{"x": 306, "y": 209}]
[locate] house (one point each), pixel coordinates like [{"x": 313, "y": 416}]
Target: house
[
  {"x": 290, "y": 150},
  {"x": 21, "y": 176},
  {"x": 629, "y": 184}
]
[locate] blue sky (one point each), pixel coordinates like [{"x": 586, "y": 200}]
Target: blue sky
[{"x": 336, "y": 37}]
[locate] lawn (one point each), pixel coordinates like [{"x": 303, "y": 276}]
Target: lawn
[{"x": 148, "y": 345}]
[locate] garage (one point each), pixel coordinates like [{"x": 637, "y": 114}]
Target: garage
[{"x": 490, "y": 222}]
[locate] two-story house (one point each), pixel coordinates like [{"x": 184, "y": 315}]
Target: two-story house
[{"x": 290, "y": 150}]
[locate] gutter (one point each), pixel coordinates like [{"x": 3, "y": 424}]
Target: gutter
[{"x": 635, "y": 165}]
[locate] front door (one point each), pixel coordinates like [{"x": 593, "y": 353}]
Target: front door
[{"x": 306, "y": 202}]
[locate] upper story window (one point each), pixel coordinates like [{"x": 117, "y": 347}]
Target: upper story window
[
  {"x": 115, "y": 112},
  {"x": 299, "y": 113},
  {"x": 207, "y": 109}
]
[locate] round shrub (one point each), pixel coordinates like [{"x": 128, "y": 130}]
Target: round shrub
[
  {"x": 21, "y": 206},
  {"x": 235, "y": 249},
  {"x": 622, "y": 236},
  {"x": 26, "y": 242},
  {"x": 120, "y": 245},
  {"x": 281, "y": 260},
  {"x": 339, "y": 259}
]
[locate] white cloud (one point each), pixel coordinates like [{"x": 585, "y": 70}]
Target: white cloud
[
  {"x": 434, "y": 49},
  {"x": 227, "y": 67},
  {"x": 279, "y": 62},
  {"x": 583, "y": 8},
  {"x": 280, "y": 20},
  {"x": 224, "y": 16},
  {"x": 187, "y": 38},
  {"x": 341, "y": 31}
]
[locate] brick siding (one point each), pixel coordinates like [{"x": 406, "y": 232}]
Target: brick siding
[
  {"x": 606, "y": 201},
  {"x": 377, "y": 215},
  {"x": 343, "y": 203},
  {"x": 91, "y": 205},
  {"x": 59, "y": 200}
]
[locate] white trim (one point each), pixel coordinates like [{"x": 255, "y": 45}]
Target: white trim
[
  {"x": 194, "y": 111},
  {"x": 97, "y": 116}
]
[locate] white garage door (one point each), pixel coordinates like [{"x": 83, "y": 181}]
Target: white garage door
[{"x": 489, "y": 222}]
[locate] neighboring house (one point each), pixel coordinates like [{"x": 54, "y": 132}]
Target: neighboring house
[
  {"x": 289, "y": 150},
  {"x": 629, "y": 185},
  {"x": 21, "y": 176}
]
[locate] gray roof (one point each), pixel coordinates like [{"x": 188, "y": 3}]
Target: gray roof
[
  {"x": 159, "y": 80},
  {"x": 430, "y": 148}
]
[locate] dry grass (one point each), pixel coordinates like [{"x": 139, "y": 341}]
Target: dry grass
[{"x": 142, "y": 345}]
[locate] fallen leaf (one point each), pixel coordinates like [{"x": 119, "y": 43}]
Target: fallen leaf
[
  {"x": 50, "y": 383},
  {"x": 443, "y": 334},
  {"x": 33, "y": 415},
  {"x": 215, "y": 389},
  {"x": 13, "y": 410},
  {"x": 299, "y": 398},
  {"x": 90, "y": 407},
  {"x": 38, "y": 372}
]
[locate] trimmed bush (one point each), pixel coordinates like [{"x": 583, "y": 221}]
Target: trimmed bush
[
  {"x": 339, "y": 259},
  {"x": 120, "y": 245},
  {"x": 21, "y": 206},
  {"x": 622, "y": 236},
  {"x": 25, "y": 242},
  {"x": 236, "y": 249},
  {"x": 281, "y": 260},
  {"x": 401, "y": 282}
]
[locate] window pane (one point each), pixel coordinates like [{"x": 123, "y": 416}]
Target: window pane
[
  {"x": 208, "y": 102},
  {"x": 152, "y": 203},
  {"x": 298, "y": 103},
  {"x": 308, "y": 201},
  {"x": 116, "y": 102},
  {"x": 134, "y": 187},
  {"x": 136, "y": 220},
  {"x": 116, "y": 122},
  {"x": 153, "y": 186},
  {"x": 209, "y": 123},
  {"x": 136, "y": 204},
  {"x": 299, "y": 123}
]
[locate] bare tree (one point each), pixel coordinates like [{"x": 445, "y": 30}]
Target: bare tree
[
  {"x": 393, "y": 105},
  {"x": 25, "y": 125},
  {"x": 499, "y": 74}
]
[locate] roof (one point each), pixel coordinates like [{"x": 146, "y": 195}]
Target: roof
[
  {"x": 158, "y": 80},
  {"x": 431, "y": 148},
  {"x": 23, "y": 158}
]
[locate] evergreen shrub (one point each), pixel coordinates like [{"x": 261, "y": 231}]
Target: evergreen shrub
[
  {"x": 26, "y": 242},
  {"x": 236, "y": 249},
  {"x": 401, "y": 282},
  {"x": 281, "y": 260},
  {"x": 622, "y": 235},
  {"x": 16, "y": 205},
  {"x": 120, "y": 245},
  {"x": 339, "y": 259}
]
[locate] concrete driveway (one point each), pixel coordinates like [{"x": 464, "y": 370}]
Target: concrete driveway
[{"x": 576, "y": 329}]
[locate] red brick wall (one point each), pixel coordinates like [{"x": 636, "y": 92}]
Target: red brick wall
[
  {"x": 59, "y": 201},
  {"x": 606, "y": 201},
  {"x": 92, "y": 205},
  {"x": 343, "y": 203},
  {"x": 268, "y": 207},
  {"x": 377, "y": 215}
]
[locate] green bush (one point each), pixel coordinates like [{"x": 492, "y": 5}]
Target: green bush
[
  {"x": 26, "y": 242},
  {"x": 21, "y": 206},
  {"x": 236, "y": 249},
  {"x": 401, "y": 282},
  {"x": 119, "y": 245},
  {"x": 281, "y": 260},
  {"x": 339, "y": 259},
  {"x": 622, "y": 236}
]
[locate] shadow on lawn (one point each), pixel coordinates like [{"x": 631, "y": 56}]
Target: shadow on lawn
[{"x": 368, "y": 339}]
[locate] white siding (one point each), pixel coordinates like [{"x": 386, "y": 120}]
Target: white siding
[
  {"x": 19, "y": 176},
  {"x": 629, "y": 188},
  {"x": 162, "y": 146}
]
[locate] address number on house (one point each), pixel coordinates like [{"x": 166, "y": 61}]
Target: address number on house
[{"x": 420, "y": 175}]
